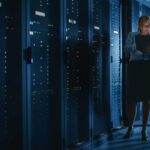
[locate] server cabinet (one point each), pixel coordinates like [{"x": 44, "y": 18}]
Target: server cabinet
[
  {"x": 10, "y": 77},
  {"x": 97, "y": 68},
  {"x": 43, "y": 74},
  {"x": 76, "y": 72},
  {"x": 115, "y": 63}
]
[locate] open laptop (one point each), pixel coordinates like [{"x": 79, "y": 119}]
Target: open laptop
[{"x": 143, "y": 43}]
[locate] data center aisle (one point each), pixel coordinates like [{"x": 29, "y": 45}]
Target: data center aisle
[{"x": 118, "y": 143}]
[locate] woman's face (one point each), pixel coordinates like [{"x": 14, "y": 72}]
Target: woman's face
[{"x": 145, "y": 28}]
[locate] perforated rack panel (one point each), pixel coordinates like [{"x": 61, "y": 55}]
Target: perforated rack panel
[{"x": 115, "y": 55}]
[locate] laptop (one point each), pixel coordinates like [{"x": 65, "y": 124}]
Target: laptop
[{"x": 143, "y": 43}]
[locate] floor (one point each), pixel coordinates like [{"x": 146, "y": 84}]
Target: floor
[{"x": 118, "y": 143}]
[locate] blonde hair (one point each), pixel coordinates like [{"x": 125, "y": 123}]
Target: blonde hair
[{"x": 142, "y": 20}]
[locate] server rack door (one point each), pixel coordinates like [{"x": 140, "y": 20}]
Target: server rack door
[
  {"x": 43, "y": 74},
  {"x": 10, "y": 77},
  {"x": 115, "y": 64},
  {"x": 76, "y": 52},
  {"x": 96, "y": 68}
]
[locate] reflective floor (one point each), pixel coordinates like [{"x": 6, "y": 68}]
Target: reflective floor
[{"x": 134, "y": 143}]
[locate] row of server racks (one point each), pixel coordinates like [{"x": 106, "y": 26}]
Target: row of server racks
[{"x": 61, "y": 71}]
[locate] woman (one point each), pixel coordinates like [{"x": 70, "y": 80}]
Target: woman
[{"x": 139, "y": 77}]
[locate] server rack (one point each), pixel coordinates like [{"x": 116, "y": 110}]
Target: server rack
[
  {"x": 115, "y": 63},
  {"x": 10, "y": 84},
  {"x": 42, "y": 105},
  {"x": 97, "y": 68},
  {"x": 76, "y": 81}
]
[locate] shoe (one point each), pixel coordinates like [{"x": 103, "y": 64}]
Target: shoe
[
  {"x": 129, "y": 133},
  {"x": 144, "y": 136}
]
